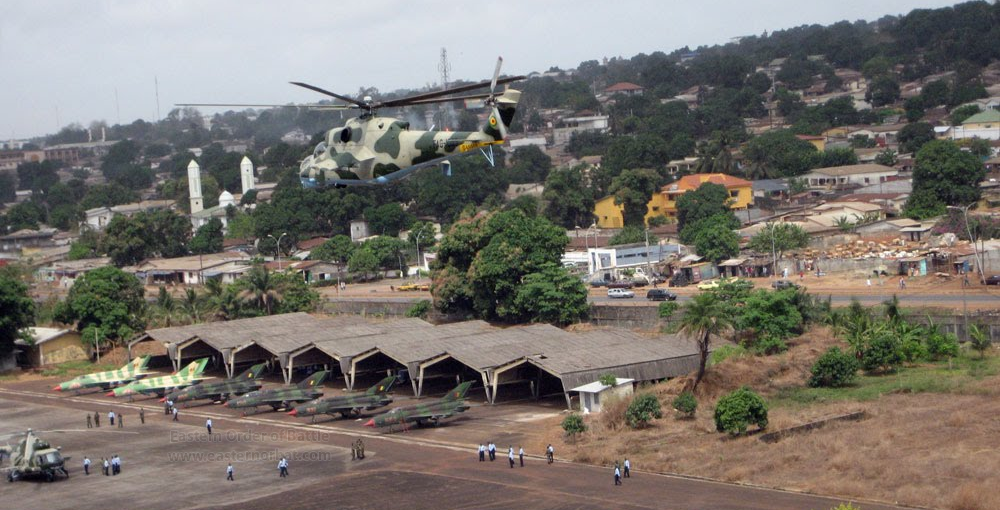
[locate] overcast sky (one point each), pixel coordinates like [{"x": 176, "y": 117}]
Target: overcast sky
[{"x": 63, "y": 61}]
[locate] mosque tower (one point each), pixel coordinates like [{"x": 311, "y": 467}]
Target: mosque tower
[
  {"x": 194, "y": 187},
  {"x": 246, "y": 174}
]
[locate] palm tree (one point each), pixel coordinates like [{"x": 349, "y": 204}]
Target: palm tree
[
  {"x": 260, "y": 288},
  {"x": 192, "y": 305},
  {"x": 979, "y": 339},
  {"x": 704, "y": 316},
  {"x": 166, "y": 307}
]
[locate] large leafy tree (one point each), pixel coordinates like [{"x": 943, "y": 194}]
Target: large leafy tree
[
  {"x": 552, "y": 295},
  {"x": 106, "y": 303},
  {"x": 570, "y": 203},
  {"x": 704, "y": 317},
  {"x": 529, "y": 164},
  {"x": 336, "y": 249},
  {"x": 715, "y": 239},
  {"x": 883, "y": 90},
  {"x": 17, "y": 311},
  {"x": 943, "y": 175},
  {"x": 129, "y": 240},
  {"x": 483, "y": 262},
  {"x": 632, "y": 190},
  {"x": 388, "y": 219},
  {"x": 779, "y": 154},
  {"x": 778, "y": 237},
  {"x": 913, "y": 136},
  {"x": 208, "y": 238},
  {"x": 696, "y": 206}
]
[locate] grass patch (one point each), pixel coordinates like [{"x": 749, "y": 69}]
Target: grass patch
[
  {"x": 75, "y": 368},
  {"x": 957, "y": 376},
  {"x": 725, "y": 352}
]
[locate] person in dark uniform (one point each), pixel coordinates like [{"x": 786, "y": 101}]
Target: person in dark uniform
[
  {"x": 97, "y": 419},
  {"x": 121, "y": 421},
  {"x": 90, "y": 422},
  {"x": 520, "y": 454},
  {"x": 142, "y": 415}
]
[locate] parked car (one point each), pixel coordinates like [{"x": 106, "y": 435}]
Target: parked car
[
  {"x": 621, "y": 284},
  {"x": 660, "y": 295},
  {"x": 620, "y": 294},
  {"x": 993, "y": 280},
  {"x": 714, "y": 284},
  {"x": 598, "y": 283},
  {"x": 784, "y": 284}
]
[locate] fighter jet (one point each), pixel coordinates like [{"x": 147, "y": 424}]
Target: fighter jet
[
  {"x": 346, "y": 405},
  {"x": 277, "y": 398},
  {"x": 106, "y": 380},
  {"x": 159, "y": 385},
  {"x": 246, "y": 382},
  {"x": 453, "y": 402}
]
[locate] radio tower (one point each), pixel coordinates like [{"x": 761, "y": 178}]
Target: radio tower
[
  {"x": 444, "y": 67},
  {"x": 445, "y": 111}
]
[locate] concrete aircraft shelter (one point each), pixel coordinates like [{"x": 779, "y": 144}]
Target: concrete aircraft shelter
[{"x": 544, "y": 358}]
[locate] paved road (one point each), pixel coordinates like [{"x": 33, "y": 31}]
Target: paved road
[{"x": 403, "y": 470}]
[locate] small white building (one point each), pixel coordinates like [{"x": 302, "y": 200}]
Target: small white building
[
  {"x": 841, "y": 176},
  {"x": 591, "y": 395}
]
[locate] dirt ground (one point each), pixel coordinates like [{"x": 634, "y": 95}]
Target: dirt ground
[
  {"x": 927, "y": 450},
  {"x": 175, "y": 465}
]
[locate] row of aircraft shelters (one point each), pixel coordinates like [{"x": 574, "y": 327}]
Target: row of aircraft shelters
[{"x": 540, "y": 358}]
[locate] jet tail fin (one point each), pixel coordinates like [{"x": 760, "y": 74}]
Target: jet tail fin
[
  {"x": 136, "y": 365},
  {"x": 382, "y": 386},
  {"x": 195, "y": 368},
  {"x": 252, "y": 372},
  {"x": 314, "y": 380},
  {"x": 459, "y": 392}
]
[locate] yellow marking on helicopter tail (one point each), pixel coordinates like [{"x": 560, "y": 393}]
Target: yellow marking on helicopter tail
[{"x": 468, "y": 146}]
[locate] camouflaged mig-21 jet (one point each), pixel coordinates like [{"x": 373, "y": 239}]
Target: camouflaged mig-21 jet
[
  {"x": 371, "y": 150},
  {"x": 278, "y": 398},
  {"x": 244, "y": 383},
  {"x": 376, "y": 396},
  {"x": 431, "y": 412},
  {"x": 136, "y": 369},
  {"x": 159, "y": 385}
]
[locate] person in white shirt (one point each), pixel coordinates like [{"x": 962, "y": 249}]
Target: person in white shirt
[
  {"x": 86, "y": 464},
  {"x": 208, "y": 425},
  {"x": 229, "y": 472}
]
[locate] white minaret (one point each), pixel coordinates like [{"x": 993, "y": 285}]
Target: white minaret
[
  {"x": 246, "y": 174},
  {"x": 194, "y": 186}
]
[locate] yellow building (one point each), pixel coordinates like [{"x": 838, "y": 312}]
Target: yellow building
[
  {"x": 817, "y": 141},
  {"x": 664, "y": 203},
  {"x": 50, "y": 346}
]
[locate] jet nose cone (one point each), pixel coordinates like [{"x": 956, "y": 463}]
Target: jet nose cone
[
  {"x": 57, "y": 388},
  {"x": 371, "y": 423},
  {"x": 164, "y": 399},
  {"x": 109, "y": 394},
  {"x": 225, "y": 404},
  {"x": 293, "y": 412}
]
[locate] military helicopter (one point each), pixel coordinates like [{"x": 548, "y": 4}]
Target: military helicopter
[
  {"x": 34, "y": 457},
  {"x": 371, "y": 150}
]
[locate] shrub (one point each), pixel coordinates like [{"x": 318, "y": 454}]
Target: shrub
[
  {"x": 573, "y": 425},
  {"x": 738, "y": 410},
  {"x": 667, "y": 309},
  {"x": 725, "y": 352},
  {"x": 881, "y": 352},
  {"x": 642, "y": 410},
  {"x": 834, "y": 369},
  {"x": 420, "y": 309},
  {"x": 608, "y": 379},
  {"x": 846, "y": 506},
  {"x": 979, "y": 339},
  {"x": 769, "y": 345},
  {"x": 686, "y": 404},
  {"x": 942, "y": 345}
]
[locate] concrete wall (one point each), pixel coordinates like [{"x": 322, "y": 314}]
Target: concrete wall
[{"x": 955, "y": 323}]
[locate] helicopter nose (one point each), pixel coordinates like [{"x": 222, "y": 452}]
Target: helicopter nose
[
  {"x": 371, "y": 423},
  {"x": 293, "y": 412}
]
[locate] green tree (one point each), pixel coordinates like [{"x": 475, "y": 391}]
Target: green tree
[
  {"x": 335, "y": 249},
  {"x": 943, "y": 175},
  {"x": 778, "y": 238},
  {"x": 107, "y": 302},
  {"x": 979, "y": 339},
  {"x": 529, "y": 164},
  {"x": 24, "y": 215},
  {"x": 573, "y": 425},
  {"x": 260, "y": 288},
  {"x": 958, "y": 115},
  {"x": 363, "y": 260},
  {"x": 882, "y": 91},
  {"x": 107, "y": 195},
  {"x": 834, "y": 369},
  {"x": 779, "y": 153},
  {"x": 608, "y": 379},
  {"x": 695, "y": 206},
  {"x": 887, "y": 157},
  {"x": 17, "y": 312},
  {"x": 913, "y": 136},
  {"x": 552, "y": 295},
  {"x": 420, "y": 309},
  {"x": 632, "y": 190},
  {"x": 735, "y": 412},
  {"x": 208, "y": 239},
  {"x": 704, "y": 317},
  {"x": 630, "y": 234},
  {"x": 715, "y": 239},
  {"x": 129, "y": 240},
  {"x": 8, "y": 188},
  {"x": 643, "y": 409},
  {"x": 388, "y": 219},
  {"x": 569, "y": 202}
]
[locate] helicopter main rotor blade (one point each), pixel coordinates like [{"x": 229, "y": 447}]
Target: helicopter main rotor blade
[
  {"x": 328, "y": 93},
  {"x": 449, "y": 99},
  {"x": 234, "y": 105},
  {"x": 454, "y": 90},
  {"x": 496, "y": 74}
]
